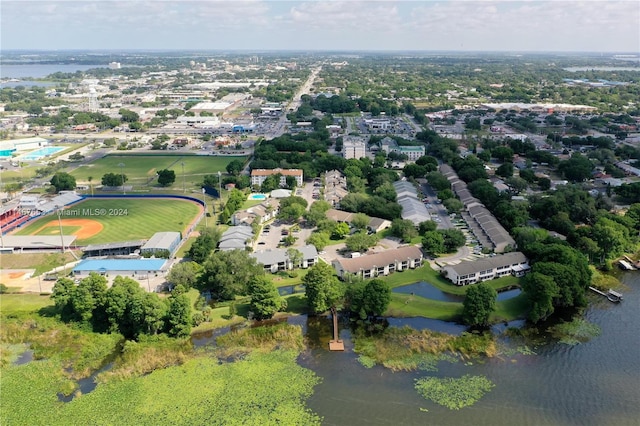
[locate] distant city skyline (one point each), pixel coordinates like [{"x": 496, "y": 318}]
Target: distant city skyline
[{"x": 519, "y": 26}]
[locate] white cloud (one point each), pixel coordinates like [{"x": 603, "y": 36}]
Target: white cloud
[
  {"x": 322, "y": 24},
  {"x": 557, "y": 25}
]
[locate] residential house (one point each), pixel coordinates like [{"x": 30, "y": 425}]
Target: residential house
[
  {"x": 378, "y": 264},
  {"x": 258, "y": 176},
  {"x": 470, "y": 272},
  {"x": 278, "y": 259},
  {"x": 235, "y": 238},
  {"x": 260, "y": 213}
]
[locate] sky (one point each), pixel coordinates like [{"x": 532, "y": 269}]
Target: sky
[{"x": 478, "y": 25}]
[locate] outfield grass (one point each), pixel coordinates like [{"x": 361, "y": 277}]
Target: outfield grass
[
  {"x": 141, "y": 169},
  {"x": 137, "y": 219}
]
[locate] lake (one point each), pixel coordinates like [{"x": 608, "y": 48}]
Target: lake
[
  {"x": 40, "y": 70},
  {"x": 593, "y": 383}
]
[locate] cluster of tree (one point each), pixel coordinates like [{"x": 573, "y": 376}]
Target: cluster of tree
[
  {"x": 63, "y": 181},
  {"x": 322, "y": 288},
  {"x": 368, "y": 299},
  {"x": 360, "y": 241},
  {"x": 234, "y": 203},
  {"x": 559, "y": 277},
  {"x": 374, "y": 206},
  {"x": 204, "y": 245},
  {"x": 292, "y": 208},
  {"x": 235, "y": 167},
  {"x": 227, "y": 274},
  {"x": 306, "y": 151},
  {"x": 469, "y": 168},
  {"x": 442, "y": 241},
  {"x": 123, "y": 308},
  {"x": 629, "y": 191},
  {"x": 478, "y": 305},
  {"x": 166, "y": 177},
  {"x": 564, "y": 208},
  {"x": 421, "y": 167},
  {"x": 577, "y": 168},
  {"x": 337, "y": 104},
  {"x": 114, "y": 179}
]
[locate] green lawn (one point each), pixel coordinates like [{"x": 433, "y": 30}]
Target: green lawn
[
  {"x": 403, "y": 305},
  {"x": 406, "y": 305},
  {"x": 141, "y": 169},
  {"x": 14, "y": 303},
  {"x": 41, "y": 262},
  {"x": 142, "y": 219},
  {"x": 426, "y": 273}
]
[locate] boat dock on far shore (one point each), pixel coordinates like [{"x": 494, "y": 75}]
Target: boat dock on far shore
[{"x": 613, "y": 296}]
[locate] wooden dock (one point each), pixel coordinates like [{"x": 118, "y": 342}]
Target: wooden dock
[
  {"x": 627, "y": 266},
  {"x": 612, "y": 296},
  {"x": 336, "y": 344}
]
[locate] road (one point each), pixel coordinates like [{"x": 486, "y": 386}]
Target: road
[
  {"x": 294, "y": 104},
  {"x": 434, "y": 205}
]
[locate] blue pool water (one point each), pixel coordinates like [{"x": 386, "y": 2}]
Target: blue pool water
[
  {"x": 256, "y": 197},
  {"x": 42, "y": 152}
]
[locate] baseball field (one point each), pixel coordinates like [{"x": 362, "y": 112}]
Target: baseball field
[
  {"x": 141, "y": 169},
  {"x": 98, "y": 221}
]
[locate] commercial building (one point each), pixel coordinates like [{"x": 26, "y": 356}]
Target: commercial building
[
  {"x": 9, "y": 146},
  {"x": 353, "y": 148},
  {"x": 26, "y": 243},
  {"x": 377, "y": 123},
  {"x": 162, "y": 242},
  {"x": 136, "y": 268},
  {"x": 383, "y": 263},
  {"x": 470, "y": 272},
  {"x": 412, "y": 152},
  {"x": 258, "y": 176}
]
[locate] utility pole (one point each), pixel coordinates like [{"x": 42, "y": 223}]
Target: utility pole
[
  {"x": 183, "y": 187},
  {"x": 121, "y": 165},
  {"x": 204, "y": 200},
  {"x": 58, "y": 211}
]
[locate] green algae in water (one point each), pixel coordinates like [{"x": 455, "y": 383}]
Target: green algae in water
[
  {"x": 454, "y": 393},
  {"x": 367, "y": 362},
  {"x": 575, "y": 332}
]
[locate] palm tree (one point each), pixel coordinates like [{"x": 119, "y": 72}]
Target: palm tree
[{"x": 90, "y": 178}]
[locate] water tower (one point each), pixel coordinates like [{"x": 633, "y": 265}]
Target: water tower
[{"x": 93, "y": 100}]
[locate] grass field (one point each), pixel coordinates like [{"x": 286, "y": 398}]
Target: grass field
[
  {"x": 141, "y": 169},
  {"x": 136, "y": 218},
  {"x": 41, "y": 262}
]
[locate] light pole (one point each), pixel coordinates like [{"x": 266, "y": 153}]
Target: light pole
[
  {"x": 220, "y": 189},
  {"x": 58, "y": 211},
  {"x": 204, "y": 200},
  {"x": 121, "y": 165},
  {"x": 183, "y": 188}
]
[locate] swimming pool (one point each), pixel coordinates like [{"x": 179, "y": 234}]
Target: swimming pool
[
  {"x": 257, "y": 197},
  {"x": 42, "y": 152}
]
